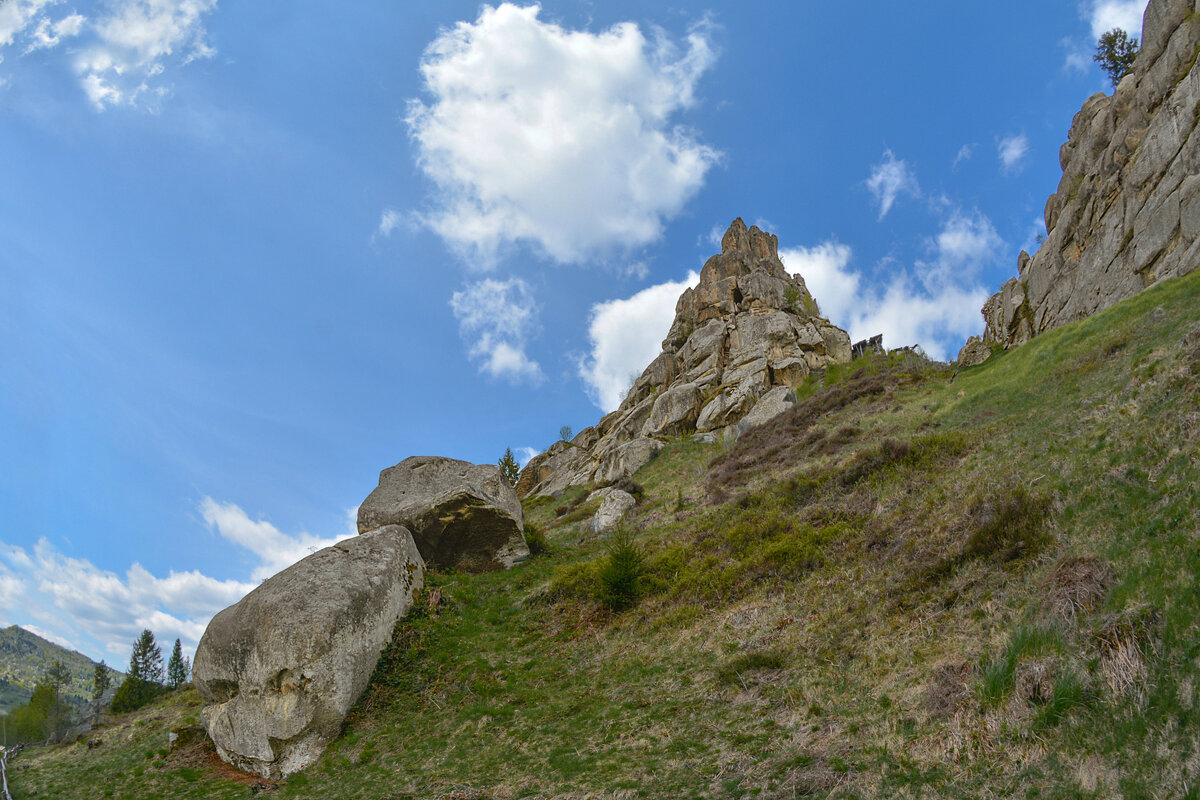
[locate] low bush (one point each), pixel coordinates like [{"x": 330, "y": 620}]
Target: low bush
[
  {"x": 535, "y": 537},
  {"x": 1007, "y": 524},
  {"x": 621, "y": 573}
]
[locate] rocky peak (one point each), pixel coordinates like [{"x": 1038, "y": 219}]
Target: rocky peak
[{"x": 747, "y": 327}]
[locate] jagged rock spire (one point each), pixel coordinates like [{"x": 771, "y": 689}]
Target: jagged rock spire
[{"x": 747, "y": 327}]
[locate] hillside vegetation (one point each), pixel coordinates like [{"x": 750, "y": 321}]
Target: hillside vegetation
[
  {"x": 918, "y": 582},
  {"x": 24, "y": 659}
]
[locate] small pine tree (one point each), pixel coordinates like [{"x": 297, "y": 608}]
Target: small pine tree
[
  {"x": 145, "y": 662},
  {"x": 177, "y": 673},
  {"x": 145, "y": 679},
  {"x": 1115, "y": 53},
  {"x": 509, "y": 467},
  {"x": 101, "y": 680}
]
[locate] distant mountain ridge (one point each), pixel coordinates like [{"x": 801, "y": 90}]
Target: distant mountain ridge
[{"x": 24, "y": 659}]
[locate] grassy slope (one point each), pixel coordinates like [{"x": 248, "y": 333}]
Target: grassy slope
[{"x": 871, "y": 613}]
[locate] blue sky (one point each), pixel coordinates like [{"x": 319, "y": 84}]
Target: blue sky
[{"x": 252, "y": 253}]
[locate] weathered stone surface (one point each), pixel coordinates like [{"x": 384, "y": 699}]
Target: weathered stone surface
[
  {"x": 613, "y": 508},
  {"x": 973, "y": 353},
  {"x": 279, "y": 669},
  {"x": 626, "y": 459},
  {"x": 674, "y": 412},
  {"x": 769, "y": 406},
  {"x": 746, "y": 328},
  {"x": 462, "y": 515},
  {"x": 1125, "y": 213}
]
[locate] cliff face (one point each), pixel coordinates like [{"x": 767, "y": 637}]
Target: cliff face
[
  {"x": 747, "y": 327},
  {"x": 1127, "y": 210}
]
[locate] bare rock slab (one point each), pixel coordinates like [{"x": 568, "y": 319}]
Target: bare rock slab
[
  {"x": 462, "y": 516},
  {"x": 279, "y": 669}
]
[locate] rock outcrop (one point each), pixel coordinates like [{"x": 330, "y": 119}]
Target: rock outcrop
[
  {"x": 747, "y": 327},
  {"x": 1127, "y": 210},
  {"x": 462, "y": 515},
  {"x": 279, "y": 669},
  {"x": 973, "y": 353},
  {"x": 614, "y": 505}
]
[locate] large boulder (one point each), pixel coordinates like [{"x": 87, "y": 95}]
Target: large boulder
[
  {"x": 613, "y": 508},
  {"x": 462, "y": 515},
  {"x": 279, "y": 669}
]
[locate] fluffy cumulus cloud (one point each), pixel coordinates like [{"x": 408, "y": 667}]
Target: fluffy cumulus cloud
[
  {"x": 73, "y": 602},
  {"x": 626, "y": 335},
  {"x": 567, "y": 140},
  {"x": 890, "y": 179},
  {"x": 496, "y": 319},
  {"x": 122, "y": 51},
  {"x": 935, "y": 305},
  {"x": 1012, "y": 151}
]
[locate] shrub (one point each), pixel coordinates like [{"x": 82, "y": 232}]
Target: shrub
[
  {"x": 535, "y": 537},
  {"x": 621, "y": 573},
  {"x": 133, "y": 693},
  {"x": 1007, "y": 524},
  {"x": 628, "y": 484}
]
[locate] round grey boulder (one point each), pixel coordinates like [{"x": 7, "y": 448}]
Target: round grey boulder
[{"x": 279, "y": 669}]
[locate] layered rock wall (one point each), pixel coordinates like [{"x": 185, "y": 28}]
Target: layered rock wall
[
  {"x": 1127, "y": 210},
  {"x": 746, "y": 328}
]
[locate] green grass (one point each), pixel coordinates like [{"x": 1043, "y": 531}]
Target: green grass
[{"x": 795, "y": 607}]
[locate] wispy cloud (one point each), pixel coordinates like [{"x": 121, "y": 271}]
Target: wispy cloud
[
  {"x": 496, "y": 319},
  {"x": 890, "y": 179},
  {"x": 122, "y": 53},
  {"x": 964, "y": 154},
  {"x": 1012, "y": 150},
  {"x": 560, "y": 138}
]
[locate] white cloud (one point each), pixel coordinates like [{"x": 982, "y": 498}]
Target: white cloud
[
  {"x": 17, "y": 15},
  {"x": 890, "y": 179},
  {"x": 562, "y": 139},
  {"x": 1104, "y": 15},
  {"x": 524, "y": 454},
  {"x": 938, "y": 309},
  {"x": 132, "y": 44},
  {"x": 823, "y": 268},
  {"x": 49, "y": 34},
  {"x": 625, "y": 336},
  {"x": 1077, "y": 59},
  {"x": 965, "y": 243},
  {"x": 275, "y": 549},
  {"x": 75, "y": 601},
  {"x": 964, "y": 154},
  {"x": 1012, "y": 150},
  {"x": 496, "y": 318},
  {"x": 389, "y": 221}
]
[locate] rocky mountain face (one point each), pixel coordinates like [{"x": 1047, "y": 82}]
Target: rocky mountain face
[
  {"x": 745, "y": 329},
  {"x": 1127, "y": 210}
]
